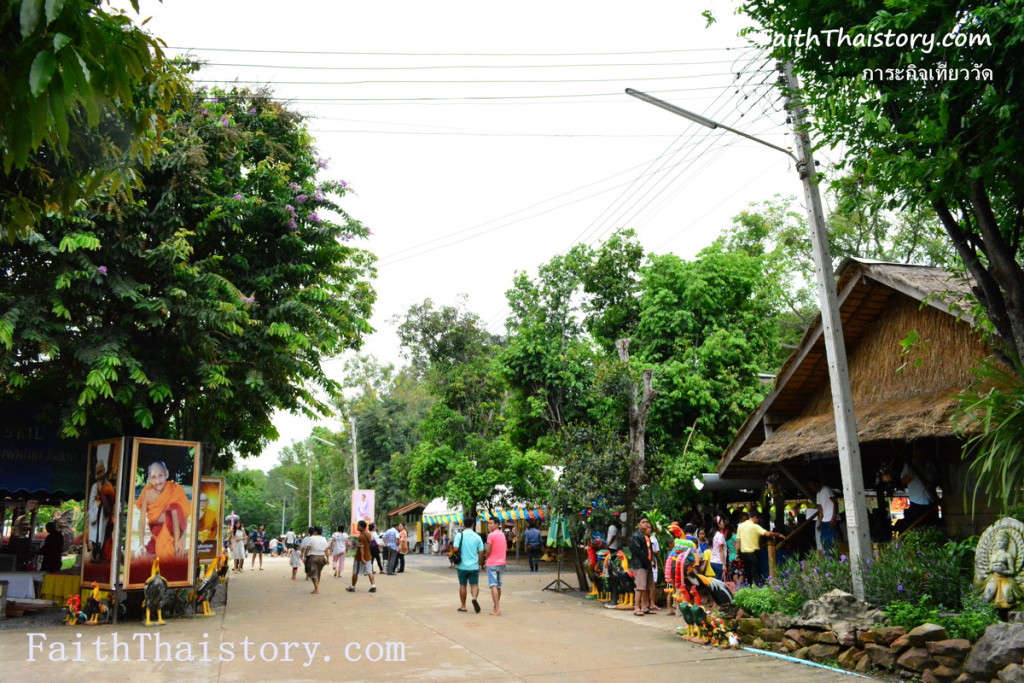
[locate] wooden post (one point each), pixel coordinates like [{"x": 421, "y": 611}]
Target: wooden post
[{"x": 771, "y": 558}]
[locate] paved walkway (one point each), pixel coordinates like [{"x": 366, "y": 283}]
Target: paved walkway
[{"x": 412, "y": 620}]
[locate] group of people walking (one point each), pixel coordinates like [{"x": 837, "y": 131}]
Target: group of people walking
[{"x": 473, "y": 553}]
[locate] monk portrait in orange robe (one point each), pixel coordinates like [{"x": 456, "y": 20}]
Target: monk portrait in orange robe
[{"x": 165, "y": 508}]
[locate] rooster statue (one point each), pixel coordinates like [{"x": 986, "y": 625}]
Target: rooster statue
[
  {"x": 74, "y": 614},
  {"x": 207, "y": 588},
  {"x": 155, "y": 591},
  {"x": 95, "y": 608}
]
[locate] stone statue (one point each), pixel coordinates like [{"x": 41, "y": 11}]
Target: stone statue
[{"x": 999, "y": 564}]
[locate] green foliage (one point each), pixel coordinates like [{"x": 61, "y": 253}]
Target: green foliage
[
  {"x": 83, "y": 93},
  {"x": 798, "y": 581},
  {"x": 991, "y": 416},
  {"x": 910, "y": 615},
  {"x": 941, "y": 142},
  {"x": 975, "y": 616},
  {"x": 757, "y": 601},
  {"x": 205, "y": 303}
]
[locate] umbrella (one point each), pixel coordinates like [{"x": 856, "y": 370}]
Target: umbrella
[{"x": 558, "y": 537}]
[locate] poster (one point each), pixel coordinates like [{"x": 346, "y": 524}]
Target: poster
[
  {"x": 102, "y": 512},
  {"x": 362, "y": 506},
  {"x": 162, "y": 510},
  {"x": 209, "y": 527}
]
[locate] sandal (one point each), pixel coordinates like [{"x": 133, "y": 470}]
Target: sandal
[
  {"x": 638, "y": 614},
  {"x": 461, "y": 609}
]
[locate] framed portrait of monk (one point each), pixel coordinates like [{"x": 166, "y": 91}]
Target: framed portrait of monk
[
  {"x": 101, "y": 529},
  {"x": 209, "y": 519},
  {"x": 163, "y": 501},
  {"x": 362, "y": 506}
]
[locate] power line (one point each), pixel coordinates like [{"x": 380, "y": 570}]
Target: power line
[
  {"x": 471, "y": 82},
  {"x": 505, "y": 135},
  {"x": 454, "y": 54},
  {"x": 305, "y": 67}
]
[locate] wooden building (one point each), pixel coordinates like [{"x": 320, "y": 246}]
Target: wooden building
[{"x": 911, "y": 348}]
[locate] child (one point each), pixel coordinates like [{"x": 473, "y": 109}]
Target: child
[{"x": 294, "y": 558}]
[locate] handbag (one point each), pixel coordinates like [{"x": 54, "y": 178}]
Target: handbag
[{"x": 457, "y": 552}]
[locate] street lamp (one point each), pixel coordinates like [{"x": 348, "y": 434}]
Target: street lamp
[
  {"x": 355, "y": 461},
  {"x": 835, "y": 348}
]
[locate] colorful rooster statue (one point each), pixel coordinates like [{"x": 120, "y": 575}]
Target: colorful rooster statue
[
  {"x": 595, "y": 572},
  {"x": 627, "y": 586},
  {"x": 94, "y": 608},
  {"x": 74, "y": 614},
  {"x": 155, "y": 591},
  {"x": 207, "y": 588}
]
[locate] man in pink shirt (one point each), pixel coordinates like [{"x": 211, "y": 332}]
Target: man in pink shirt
[{"x": 494, "y": 560}]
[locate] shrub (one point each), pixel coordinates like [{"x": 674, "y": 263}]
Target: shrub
[
  {"x": 908, "y": 615},
  {"x": 972, "y": 621},
  {"x": 756, "y": 601},
  {"x": 799, "y": 580},
  {"x": 909, "y": 569}
]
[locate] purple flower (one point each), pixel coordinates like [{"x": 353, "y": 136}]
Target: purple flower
[
  {"x": 249, "y": 299},
  {"x": 224, "y": 121},
  {"x": 214, "y": 99},
  {"x": 252, "y": 110},
  {"x": 318, "y": 195},
  {"x": 292, "y": 225},
  {"x": 301, "y": 198},
  {"x": 899, "y": 588},
  {"x": 322, "y": 163},
  {"x": 343, "y": 183},
  {"x": 238, "y": 197},
  {"x": 294, "y": 187},
  {"x": 313, "y": 218},
  {"x": 842, "y": 558},
  {"x": 205, "y": 112},
  {"x": 827, "y": 575},
  {"x": 289, "y": 208},
  {"x": 102, "y": 270}
]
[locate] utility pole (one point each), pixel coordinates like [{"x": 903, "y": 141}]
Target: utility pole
[
  {"x": 353, "y": 438},
  {"x": 835, "y": 346}
]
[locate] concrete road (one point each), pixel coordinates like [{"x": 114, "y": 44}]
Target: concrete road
[{"x": 273, "y": 629}]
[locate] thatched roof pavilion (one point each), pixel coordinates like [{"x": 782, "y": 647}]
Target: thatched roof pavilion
[{"x": 911, "y": 347}]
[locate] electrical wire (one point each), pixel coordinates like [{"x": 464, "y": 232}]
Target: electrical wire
[{"x": 454, "y": 54}]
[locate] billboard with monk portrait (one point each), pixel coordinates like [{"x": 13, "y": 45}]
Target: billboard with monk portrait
[
  {"x": 209, "y": 519},
  {"x": 162, "y": 509},
  {"x": 362, "y": 506},
  {"x": 102, "y": 513}
]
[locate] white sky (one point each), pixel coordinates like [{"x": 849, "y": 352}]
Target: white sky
[{"x": 462, "y": 193}]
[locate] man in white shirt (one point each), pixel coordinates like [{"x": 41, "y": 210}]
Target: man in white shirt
[{"x": 827, "y": 519}]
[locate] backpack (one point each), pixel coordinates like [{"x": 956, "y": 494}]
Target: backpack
[{"x": 457, "y": 551}]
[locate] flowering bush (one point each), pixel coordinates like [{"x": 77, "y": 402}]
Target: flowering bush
[{"x": 800, "y": 580}]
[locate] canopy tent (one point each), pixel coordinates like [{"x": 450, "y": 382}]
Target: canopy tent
[{"x": 539, "y": 514}]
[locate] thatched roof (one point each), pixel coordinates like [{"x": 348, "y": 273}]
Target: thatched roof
[{"x": 897, "y": 395}]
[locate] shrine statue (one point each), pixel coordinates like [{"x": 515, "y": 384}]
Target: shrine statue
[{"x": 999, "y": 564}]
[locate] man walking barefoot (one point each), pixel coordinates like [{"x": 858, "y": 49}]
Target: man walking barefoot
[
  {"x": 494, "y": 560},
  {"x": 364, "y": 560},
  {"x": 471, "y": 550}
]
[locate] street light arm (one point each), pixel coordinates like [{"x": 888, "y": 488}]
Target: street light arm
[{"x": 706, "y": 122}]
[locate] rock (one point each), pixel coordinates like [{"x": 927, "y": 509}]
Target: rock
[
  {"x": 801, "y": 653},
  {"x": 758, "y": 643},
  {"x": 777, "y": 620},
  {"x": 946, "y": 673},
  {"x": 916, "y": 659},
  {"x": 791, "y": 645},
  {"x": 748, "y": 625},
  {"x": 965, "y": 678},
  {"x": 880, "y": 655},
  {"x": 848, "y": 659},
  {"x": 951, "y": 662},
  {"x": 926, "y": 633},
  {"x": 837, "y": 606},
  {"x": 801, "y": 636},
  {"x": 740, "y": 614},
  {"x": 820, "y": 652},
  {"x": 827, "y": 638},
  {"x": 846, "y": 634},
  {"x": 955, "y": 647},
  {"x": 1014, "y": 673},
  {"x": 929, "y": 677},
  {"x": 1002, "y": 644},
  {"x": 885, "y": 635},
  {"x": 863, "y": 664},
  {"x": 770, "y": 635},
  {"x": 900, "y": 644}
]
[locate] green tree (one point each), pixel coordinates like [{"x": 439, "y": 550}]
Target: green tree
[
  {"x": 205, "y": 303},
  {"x": 82, "y": 94},
  {"x": 933, "y": 124}
]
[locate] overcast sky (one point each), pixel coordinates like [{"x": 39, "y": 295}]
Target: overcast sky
[{"x": 482, "y": 139}]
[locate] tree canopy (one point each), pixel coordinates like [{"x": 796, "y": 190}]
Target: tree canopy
[
  {"x": 205, "y": 302},
  {"x": 936, "y": 123}
]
